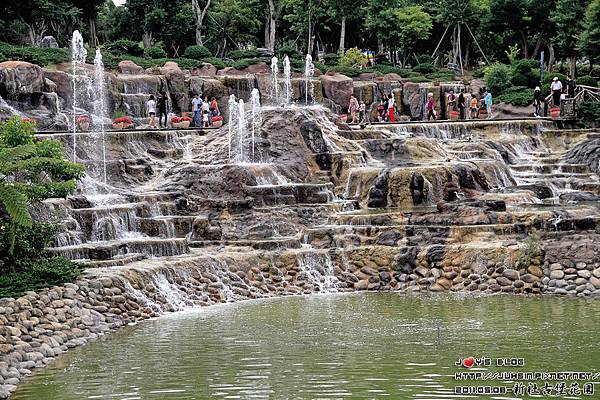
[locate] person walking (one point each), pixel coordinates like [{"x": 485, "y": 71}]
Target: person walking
[
  {"x": 570, "y": 87},
  {"x": 556, "y": 89},
  {"x": 362, "y": 117},
  {"x": 430, "y": 106},
  {"x": 461, "y": 104},
  {"x": 488, "y": 104},
  {"x": 537, "y": 101},
  {"x": 352, "y": 109},
  {"x": 197, "y": 110},
  {"x": 391, "y": 105},
  {"x": 162, "y": 105},
  {"x": 151, "y": 111},
  {"x": 450, "y": 103},
  {"x": 383, "y": 109},
  {"x": 473, "y": 106}
]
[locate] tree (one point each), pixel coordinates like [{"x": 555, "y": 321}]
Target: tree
[
  {"x": 232, "y": 24},
  {"x": 340, "y": 11},
  {"x": 569, "y": 24},
  {"x": 30, "y": 172},
  {"x": 589, "y": 41},
  {"x": 199, "y": 14},
  {"x": 413, "y": 25}
]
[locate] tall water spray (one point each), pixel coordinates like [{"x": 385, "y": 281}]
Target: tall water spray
[
  {"x": 232, "y": 110},
  {"x": 255, "y": 107},
  {"x": 241, "y": 128},
  {"x": 78, "y": 55},
  {"x": 287, "y": 72},
  {"x": 99, "y": 104},
  {"x": 309, "y": 71},
  {"x": 274, "y": 73}
]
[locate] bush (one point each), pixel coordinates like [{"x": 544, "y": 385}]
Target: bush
[
  {"x": 34, "y": 55},
  {"x": 595, "y": 72},
  {"x": 441, "y": 76},
  {"x": 124, "y": 46},
  {"x": 497, "y": 78},
  {"x": 245, "y": 63},
  {"x": 155, "y": 52},
  {"x": 520, "y": 96},
  {"x": 344, "y": 70},
  {"x": 289, "y": 51},
  {"x": 587, "y": 80},
  {"x": 424, "y": 68},
  {"x": 525, "y": 73},
  {"x": 419, "y": 79},
  {"x": 352, "y": 58},
  {"x": 197, "y": 52},
  {"x": 239, "y": 54},
  {"x": 478, "y": 73},
  {"x": 217, "y": 62},
  {"x": 424, "y": 59},
  {"x": 589, "y": 114},
  {"x": 331, "y": 59}
]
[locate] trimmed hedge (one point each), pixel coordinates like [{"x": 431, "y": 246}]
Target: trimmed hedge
[
  {"x": 241, "y": 54},
  {"x": 155, "y": 52},
  {"x": 587, "y": 81},
  {"x": 34, "y": 55},
  {"x": 520, "y": 96},
  {"x": 124, "y": 46},
  {"x": 197, "y": 52}
]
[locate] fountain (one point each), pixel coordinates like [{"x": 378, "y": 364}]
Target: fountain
[
  {"x": 241, "y": 119},
  {"x": 78, "y": 55},
  {"x": 287, "y": 72},
  {"x": 309, "y": 71},
  {"x": 232, "y": 110},
  {"x": 274, "y": 73},
  {"x": 99, "y": 105},
  {"x": 255, "y": 109}
]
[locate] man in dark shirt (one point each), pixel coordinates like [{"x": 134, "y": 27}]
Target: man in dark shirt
[
  {"x": 570, "y": 87},
  {"x": 161, "y": 105},
  {"x": 461, "y": 103}
]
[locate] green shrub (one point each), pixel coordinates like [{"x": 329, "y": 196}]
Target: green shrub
[
  {"x": 331, "y": 59},
  {"x": 419, "y": 79},
  {"x": 497, "y": 78},
  {"x": 588, "y": 114},
  {"x": 124, "y": 46},
  {"x": 587, "y": 80},
  {"x": 478, "y": 73},
  {"x": 348, "y": 71},
  {"x": 240, "y": 54},
  {"x": 217, "y": 62},
  {"x": 155, "y": 52},
  {"x": 595, "y": 72},
  {"x": 297, "y": 64},
  {"x": 517, "y": 96},
  {"x": 525, "y": 73},
  {"x": 34, "y": 55},
  {"x": 424, "y": 59},
  {"x": 289, "y": 51},
  {"x": 245, "y": 63},
  {"x": 382, "y": 59},
  {"x": 186, "y": 63},
  {"x": 197, "y": 52},
  {"x": 424, "y": 68},
  {"x": 441, "y": 76},
  {"x": 352, "y": 58}
]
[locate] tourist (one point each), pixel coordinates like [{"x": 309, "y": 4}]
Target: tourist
[
  {"x": 196, "y": 110},
  {"x": 556, "y": 90},
  {"x": 382, "y": 109},
  {"x": 362, "y": 112},
  {"x": 162, "y": 105},
  {"x": 430, "y": 107},
  {"x": 461, "y": 104},
  {"x": 488, "y": 104},
  {"x": 205, "y": 118},
  {"x": 537, "y": 101},
  {"x": 205, "y": 105},
  {"x": 352, "y": 109},
  {"x": 391, "y": 110},
  {"x": 450, "y": 103},
  {"x": 570, "y": 87},
  {"x": 151, "y": 111},
  {"x": 473, "y": 106}
]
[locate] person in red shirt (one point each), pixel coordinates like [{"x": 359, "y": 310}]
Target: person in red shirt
[{"x": 430, "y": 107}]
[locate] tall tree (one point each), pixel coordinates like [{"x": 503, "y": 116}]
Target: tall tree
[
  {"x": 413, "y": 25},
  {"x": 569, "y": 24},
  {"x": 589, "y": 42},
  {"x": 340, "y": 11},
  {"x": 199, "y": 15}
]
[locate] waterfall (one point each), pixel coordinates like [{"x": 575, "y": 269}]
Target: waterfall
[
  {"x": 232, "y": 110},
  {"x": 287, "y": 72},
  {"x": 99, "y": 104},
  {"x": 78, "y": 55},
  {"x": 241, "y": 118},
  {"x": 318, "y": 270},
  {"x": 255, "y": 107},
  {"x": 309, "y": 71},
  {"x": 274, "y": 73}
]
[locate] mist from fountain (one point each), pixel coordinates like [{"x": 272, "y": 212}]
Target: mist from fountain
[
  {"x": 232, "y": 111},
  {"x": 100, "y": 105},
  {"x": 78, "y": 55},
  {"x": 241, "y": 120},
  {"x": 287, "y": 72},
  {"x": 274, "y": 82},
  {"x": 255, "y": 110},
  {"x": 309, "y": 71}
]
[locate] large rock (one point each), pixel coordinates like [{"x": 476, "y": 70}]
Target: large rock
[
  {"x": 207, "y": 70},
  {"x": 129, "y": 67},
  {"x": 177, "y": 86},
  {"x": 337, "y": 88},
  {"x": 19, "y": 79}
]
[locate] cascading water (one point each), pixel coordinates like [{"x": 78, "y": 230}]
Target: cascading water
[
  {"x": 99, "y": 105},
  {"x": 309, "y": 71},
  {"x": 255, "y": 107},
  {"x": 232, "y": 111},
  {"x": 241, "y": 119},
  {"x": 78, "y": 55},
  {"x": 274, "y": 73},
  {"x": 287, "y": 72}
]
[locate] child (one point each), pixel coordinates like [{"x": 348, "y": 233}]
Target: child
[
  {"x": 205, "y": 119},
  {"x": 151, "y": 110},
  {"x": 361, "y": 112},
  {"x": 473, "y": 107}
]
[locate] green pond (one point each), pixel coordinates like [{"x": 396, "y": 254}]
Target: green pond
[{"x": 338, "y": 346}]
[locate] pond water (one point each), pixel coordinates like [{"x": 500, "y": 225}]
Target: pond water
[{"x": 338, "y": 346}]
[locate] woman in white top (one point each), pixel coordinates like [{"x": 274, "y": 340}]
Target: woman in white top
[{"x": 151, "y": 110}]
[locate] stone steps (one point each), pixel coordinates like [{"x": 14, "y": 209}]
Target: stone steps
[
  {"x": 270, "y": 244},
  {"x": 106, "y": 250}
]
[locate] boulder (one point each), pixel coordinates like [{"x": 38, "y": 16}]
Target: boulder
[
  {"x": 337, "y": 88},
  {"x": 177, "y": 87},
  {"x": 258, "y": 68},
  {"x": 579, "y": 196},
  {"x": 208, "y": 70},
  {"x": 20, "y": 78},
  {"x": 49, "y": 42},
  {"x": 128, "y": 67}
]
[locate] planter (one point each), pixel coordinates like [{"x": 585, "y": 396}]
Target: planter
[
  {"x": 343, "y": 117},
  {"x": 454, "y": 115},
  {"x": 217, "y": 124},
  {"x": 84, "y": 126},
  {"x": 118, "y": 125},
  {"x": 555, "y": 112},
  {"x": 181, "y": 125},
  {"x": 482, "y": 114}
]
